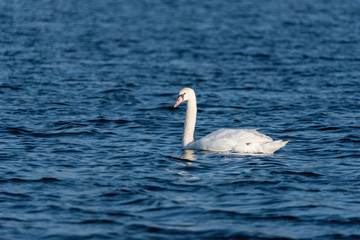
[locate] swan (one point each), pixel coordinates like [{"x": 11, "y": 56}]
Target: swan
[{"x": 247, "y": 141}]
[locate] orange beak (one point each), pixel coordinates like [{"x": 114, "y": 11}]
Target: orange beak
[{"x": 180, "y": 100}]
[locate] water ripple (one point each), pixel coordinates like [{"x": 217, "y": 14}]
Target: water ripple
[{"x": 90, "y": 146}]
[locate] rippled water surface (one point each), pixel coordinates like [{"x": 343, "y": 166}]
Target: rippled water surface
[{"x": 90, "y": 147}]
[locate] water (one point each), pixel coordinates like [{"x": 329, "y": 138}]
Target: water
[{"x": 90, "y": 146}]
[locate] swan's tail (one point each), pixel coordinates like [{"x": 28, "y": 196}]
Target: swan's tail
[{"x": 271, "y": 147}]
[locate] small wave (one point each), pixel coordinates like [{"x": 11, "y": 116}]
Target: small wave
[
  {"x": 11, "y": 219},
  {"x": 306, "y": 174},
  {"x": 103, "y": 121},
  {"x": 15, "y": 195},
  {"x": 339, "y": 236},
  {"x": 249, "y": 183},
  {"x": 21, "y": 180},
  {"x": 350, "y": 138},
  {"x": 329, "y": 128},
  {"x": 355, "y": 156},
  {"x": 22, "y": 131},
  {"x": 98, "y": 221},
  {"x": 12, "y": 87},
  {"x": 148, "y": 228},
  {"x": 120, "y": 214},
  {"x": 78, "y": 236},
  {"x": 62, "y": 125}
]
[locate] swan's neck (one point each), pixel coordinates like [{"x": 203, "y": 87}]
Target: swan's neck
[{"x": 190, "y": 120}]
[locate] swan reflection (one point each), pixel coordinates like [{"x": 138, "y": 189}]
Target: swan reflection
[{"x": 189, "y": 155}]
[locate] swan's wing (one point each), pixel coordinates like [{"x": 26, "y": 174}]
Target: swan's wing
[{"x": 229, "y": 139}]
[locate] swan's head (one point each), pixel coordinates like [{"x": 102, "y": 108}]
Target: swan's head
[{"x": 185, "y": 94}]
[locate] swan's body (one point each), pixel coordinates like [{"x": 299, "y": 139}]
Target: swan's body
[{"x": 237, "y": 140}]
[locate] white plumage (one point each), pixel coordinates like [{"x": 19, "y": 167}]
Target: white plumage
[{"x": 237, "y": 140}]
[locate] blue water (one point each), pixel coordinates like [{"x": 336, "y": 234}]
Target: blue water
[{"x": 90, "y": 147}]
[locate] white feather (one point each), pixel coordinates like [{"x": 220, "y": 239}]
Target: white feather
[{"x": 237, "y": 140}]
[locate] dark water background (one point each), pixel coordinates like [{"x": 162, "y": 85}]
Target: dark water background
[{"x": 90, "y": 147}]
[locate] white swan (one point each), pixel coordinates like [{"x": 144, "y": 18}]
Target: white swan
[{"x": 237, "y": 140}]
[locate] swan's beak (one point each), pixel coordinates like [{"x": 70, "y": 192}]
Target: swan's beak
[{"x": 180, "y": 100}]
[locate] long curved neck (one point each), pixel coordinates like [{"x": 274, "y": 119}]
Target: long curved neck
[{"x": 190, "y": 121}]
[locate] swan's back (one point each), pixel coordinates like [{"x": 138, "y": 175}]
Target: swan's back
[{"x": 238, "y": 140}]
